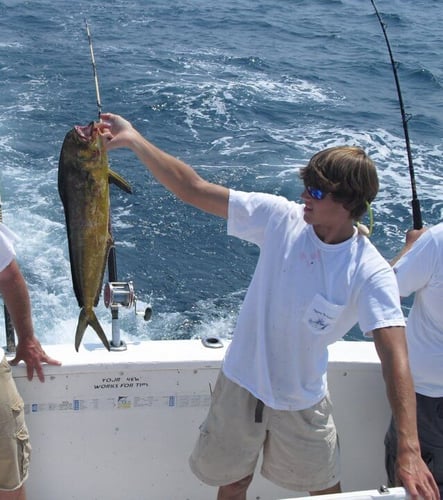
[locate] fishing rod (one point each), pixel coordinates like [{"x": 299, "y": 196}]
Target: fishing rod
[
  {"x": 116, "y": 293},
  {"x": 116, "y": 343},
  {"x": 416, "y": 212},
  {"x": 94, "y": 69}
]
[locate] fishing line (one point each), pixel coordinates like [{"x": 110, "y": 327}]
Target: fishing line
[
  {"x": 94, "y": 69},
  {"x": 416, "y": 212}
]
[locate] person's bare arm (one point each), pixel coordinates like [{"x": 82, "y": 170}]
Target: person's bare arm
[
  {"x": 411, "y": 470},
  {"x": 16, "y": 298},
  {"x": 174, "y": 174}
]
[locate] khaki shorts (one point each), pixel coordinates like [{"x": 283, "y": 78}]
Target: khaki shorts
[
  {"x": 14, "y": 438},
  {"x": 300, "y": 448}
]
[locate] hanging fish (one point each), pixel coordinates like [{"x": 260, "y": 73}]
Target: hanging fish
[{"x": 83, "y": 185}]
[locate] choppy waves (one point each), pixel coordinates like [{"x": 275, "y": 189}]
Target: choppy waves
[{"x": 246, "y": 92}]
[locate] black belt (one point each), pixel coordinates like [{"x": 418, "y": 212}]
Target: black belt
[{"x": 259, "y": 411}]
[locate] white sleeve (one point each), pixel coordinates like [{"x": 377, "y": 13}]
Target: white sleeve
[
  {"x": 7, "y": 252},
  {"x": 250, "y": 213},
  {"x": 415, "y": 268}
]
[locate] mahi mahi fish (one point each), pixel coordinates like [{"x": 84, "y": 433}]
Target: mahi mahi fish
[{"x": 83, "y": 184}]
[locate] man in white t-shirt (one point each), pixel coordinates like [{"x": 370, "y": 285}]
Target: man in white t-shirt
[
  {"x": 419, "y": 270},
  {"x": 14, "y": 439},
  {"x": 316, "y": 277}
]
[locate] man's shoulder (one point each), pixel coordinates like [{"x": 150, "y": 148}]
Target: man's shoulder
[
  {"x": 257, "y": 195},
  {"x": 371, "y": 260},
  {"x": 271, "y": 201}
]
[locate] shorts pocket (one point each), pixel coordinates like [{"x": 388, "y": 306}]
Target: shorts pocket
[
  {"x": 23, "y": 452},
  {"x": 15, "y": 449}
]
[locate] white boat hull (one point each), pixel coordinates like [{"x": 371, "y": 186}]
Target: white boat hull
[
  {"x": 122, "y": 424},
  {"x": 389, "y": 494}
]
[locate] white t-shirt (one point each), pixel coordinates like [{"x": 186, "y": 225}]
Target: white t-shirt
[
  {"x": 304, "y": 295},
  {"x": 7, "y": 253},
  {"x": 421, "y": 271}
]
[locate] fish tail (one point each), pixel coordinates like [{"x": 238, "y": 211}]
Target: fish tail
[{"x": 87, "y": 318}]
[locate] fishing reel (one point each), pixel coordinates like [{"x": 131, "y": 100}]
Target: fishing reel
[{"x": 121, "y": 294}]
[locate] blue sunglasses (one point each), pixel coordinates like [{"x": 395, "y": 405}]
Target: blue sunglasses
[{"x": 315, "y": 193}]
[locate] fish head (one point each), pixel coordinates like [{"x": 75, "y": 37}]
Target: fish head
[
  {"x": 84, "y": 147},
  {"x": 86, "y": 133}
]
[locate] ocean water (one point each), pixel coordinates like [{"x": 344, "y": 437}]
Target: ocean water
[{"x": 246, "y": 91}]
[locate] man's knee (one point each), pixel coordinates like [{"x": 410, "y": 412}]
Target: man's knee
[
  {"x": 328, "y": 491},
  {"x": 19, "y": 494},
  {"x": 233, "y": 490}
]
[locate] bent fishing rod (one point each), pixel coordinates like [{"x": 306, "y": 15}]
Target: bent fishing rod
[{"x": 416, "y": 212}]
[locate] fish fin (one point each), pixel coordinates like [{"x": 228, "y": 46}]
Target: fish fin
[
  {"x": 88, "y": 317},
  {"x": 93, "y": 321},
  {"x": 81, "y": 327},
  {"x": 118, "y": 180}
]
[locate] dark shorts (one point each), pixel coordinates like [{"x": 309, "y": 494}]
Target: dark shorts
[{"x": 430, "y": 433}]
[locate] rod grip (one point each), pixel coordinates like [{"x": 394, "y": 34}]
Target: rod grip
[{"x": 416, "y": 214}]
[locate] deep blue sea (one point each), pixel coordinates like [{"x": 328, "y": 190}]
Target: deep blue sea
[{"x": 246, "y": 91}]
